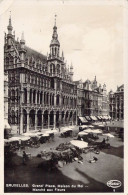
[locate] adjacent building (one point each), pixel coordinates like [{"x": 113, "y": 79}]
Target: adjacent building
[
  {"x": 92, "y": 99},
  {"x": 116, "y": 103}
]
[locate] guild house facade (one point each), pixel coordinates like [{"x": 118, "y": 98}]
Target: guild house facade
[
  {"x": 116, "y": 103},
  {"x": 93, "y": 102},
  {"x": 41, "y": 91}
]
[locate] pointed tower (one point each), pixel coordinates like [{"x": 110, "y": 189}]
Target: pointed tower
[
  {"x": 22, "y": 50},
  {"x": 62, "y": 57},
  {"x": 9, "y": 35},
  {"x": 54, "y": 45},
  {"x": 71, "y": 72}
]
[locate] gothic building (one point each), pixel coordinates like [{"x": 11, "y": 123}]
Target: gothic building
[{"x": 41, "y": 91}]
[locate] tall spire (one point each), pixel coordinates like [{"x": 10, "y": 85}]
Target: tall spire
[
  {"x": 10, "y": 25},
  {"x": 22, "y": 41},
  {"x": 55, "y": 35},
  {"x": 55, "y": 19},
  {"x": 54, "y": 45}
]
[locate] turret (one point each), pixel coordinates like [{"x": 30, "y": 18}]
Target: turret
[
  {"x": 62, "y": 56},
  {"x": 71, "y": 72},
  {"x": 10, "y": 28},
  {"x": 9, "y": 35},
  {"x": 22, "y": 50},
  {"x": 54, "y": 45},
  {"x": 22, "y": 41}
]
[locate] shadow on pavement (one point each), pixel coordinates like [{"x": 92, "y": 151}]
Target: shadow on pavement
[{"x": 116, "y": 151}]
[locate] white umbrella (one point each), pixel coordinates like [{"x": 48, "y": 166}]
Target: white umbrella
[
  {"x": 14, "y": 138},
  {"x": 101, "y": 125},
  {"x": 7, "y": 140},
  {"x": 45, "y": 135},
  {"x": 88, "y": 131},
  {"x": 90, "y": 126},
  {"x": 97, "y": 131},
  {"x": 79, "y": 144},
  {"x": 108, "y": 135},
  {"x": 30, "y": 134},
  {"x": 51, "y": 131},
  {"x": 83, "y": 133},
  {"x": 84, "y": 126},
  {"x": 24, "y": 138}
]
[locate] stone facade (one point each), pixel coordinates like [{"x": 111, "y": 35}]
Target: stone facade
[
  {"x": 92, "y": 99},
  {"x": 116, "y": 103},
  {"x": 41, "y": 92}
]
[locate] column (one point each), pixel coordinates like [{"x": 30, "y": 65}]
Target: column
[
  {"x": 21, "y": 122},
  {"x": 60, "y": 116},
  {"x": 21, "y": 95},
  {"x": 54, "y": 120},
  {"x": 48, "y": 120},
  {"x": 39, "y": 97},
  {"x": 32, "y": 97},
  {"x": 27, "y": 122},
  {"x": 28, "y": 96},
  {"x": 36, "y": 97},
  {"x": 35, "y": 119},
  {"x": 43, "y": 98},
  {"x": 76, "y": 117},
  {"x": 72, "y": 118},
  {"x": 48, "y": 99},
  {"x": 55, "y": 100},
  {"x": 64, "y": 118},
  {"x": 42, "y": 120}
]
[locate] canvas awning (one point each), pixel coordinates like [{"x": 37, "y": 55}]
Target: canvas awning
[
  {"x": 88, "y": 118},
  {"x": 83, "y": 119}
]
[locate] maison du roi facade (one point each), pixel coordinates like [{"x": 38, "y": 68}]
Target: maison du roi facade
[{"x": 40, "y": 91}]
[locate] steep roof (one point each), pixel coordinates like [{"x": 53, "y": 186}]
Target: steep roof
[{"x": 36, "y": 55}]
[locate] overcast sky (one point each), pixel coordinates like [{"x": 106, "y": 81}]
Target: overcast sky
[{"x": 91, "y": 36}]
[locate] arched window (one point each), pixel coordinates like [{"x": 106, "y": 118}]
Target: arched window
[
  {"x": 58, "y": 69},
  {"x": 13, "y": 96},
  {"x": 13, "y": 116}
]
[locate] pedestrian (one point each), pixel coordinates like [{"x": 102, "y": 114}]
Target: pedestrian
[{"x": 24, "y": 158}]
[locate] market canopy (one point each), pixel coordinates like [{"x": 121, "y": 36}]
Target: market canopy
[
  {"x": 35, "y": 134},
  {"x": 84, "y": 126},
  {"x": 88, "y": 131},
  {"x": 24, "y": 138},
  {"x": 83, "y": 133},
  {"x": 108, "y": 135},
  {"x": 88, "y": 118},
  {"x": 93, "y": 118},
  {"x": 83, "y": 119},
  {"x": 51, "y": 131},
  {"x": 90, "y": 126},
  {"x": 45, "y": 135},
  {"x": 14, "y": 139},
  {"x": 79, "y": 144}
]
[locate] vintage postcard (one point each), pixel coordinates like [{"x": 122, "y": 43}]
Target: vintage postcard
[{"x": 63, "y": 86}]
